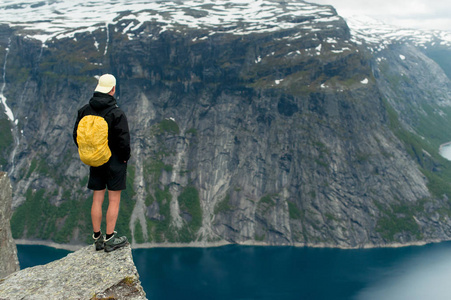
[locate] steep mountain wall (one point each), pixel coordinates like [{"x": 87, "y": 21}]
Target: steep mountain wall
[
  {"x": 295, "y": 136},
  {"x": 8, "y": 252}
]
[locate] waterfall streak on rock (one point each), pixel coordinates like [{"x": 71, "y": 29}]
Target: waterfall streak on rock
[
  {"x": 107, "y": 38},
  {"x": 8, "y": 111},
  {"x": 9, "y": 114}
]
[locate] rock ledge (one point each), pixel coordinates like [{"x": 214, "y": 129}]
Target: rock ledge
[
  {"x": 8, "y": 251},
  {"x": 84, "y": 274}
]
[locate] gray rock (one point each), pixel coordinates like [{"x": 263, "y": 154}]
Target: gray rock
[
  {"x": 84, "y": 274},
  {"x": 8, "y": 251}
]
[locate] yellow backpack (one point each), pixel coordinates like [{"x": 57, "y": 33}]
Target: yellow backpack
[{"x": 92, "y": 140}]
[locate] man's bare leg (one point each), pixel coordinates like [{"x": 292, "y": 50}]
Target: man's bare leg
[
  {"x": 114, "y": 199},
  {"x": 96, "y": 209}
]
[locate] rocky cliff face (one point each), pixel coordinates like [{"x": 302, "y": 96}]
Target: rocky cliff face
[
  {"x": 84, "y": 274},
  {"x": 8, "y": 252},
  {"x": 282, "y": 131}
]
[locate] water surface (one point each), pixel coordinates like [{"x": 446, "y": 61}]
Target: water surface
[
  {"x": 249, "y": 272},
  {"x": 445, "y": 150}
]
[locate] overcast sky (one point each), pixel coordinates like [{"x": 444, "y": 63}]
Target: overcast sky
[{"x": 425, "y": 14}]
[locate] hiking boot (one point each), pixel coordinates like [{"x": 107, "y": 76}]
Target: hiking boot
[
  {"x": 99, "y": 242},
  {"x": 115, "y": 242}
]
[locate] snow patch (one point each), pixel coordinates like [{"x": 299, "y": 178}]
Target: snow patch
[
  {"x": 376, "y": 33},
  {"x": 318, "y": 49},
  {"x": 331, "y": 40},
  {"x": 61, "y": 17}
]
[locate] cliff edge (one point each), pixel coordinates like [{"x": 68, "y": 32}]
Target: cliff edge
[
  {"x": 84, "y": 274},
  {"x": 8, "y": 251}
]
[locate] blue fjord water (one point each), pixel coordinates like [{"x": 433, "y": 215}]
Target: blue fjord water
[{"x": 248, "y": 272}]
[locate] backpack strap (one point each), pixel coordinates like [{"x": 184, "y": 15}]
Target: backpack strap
[
  {"x": 104, "y": 112},
  {"x": 107, "y": 111}
]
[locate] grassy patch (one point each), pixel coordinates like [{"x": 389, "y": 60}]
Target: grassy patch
[
  {"x": 223, "y": 205},
  {"x": 168, "y": 126},
  {"x": 160, "y": 231},
  {"x": 267, "y": 200},
  {"x": 6, "y": 137},
  {"x": 190, "y": 203},
  {"x": 399, "y": 219},
  {"x": 37, "y": 218},
  {"x": 294, "y": 212},
  {"x": 266, "y": 203},
  {"x": 139, "y": 236},
  {"x": 6, "y": 140},
  {"x": 192, "y": 131},
  {"x": 154, "y": 168}
]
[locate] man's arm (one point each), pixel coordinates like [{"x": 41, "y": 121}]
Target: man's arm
[
  {"x": 74, "y": 134},
  {"x": 122, "y": 137}
]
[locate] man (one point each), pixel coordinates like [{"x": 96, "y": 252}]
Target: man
[{"x": 111, "y": 175}]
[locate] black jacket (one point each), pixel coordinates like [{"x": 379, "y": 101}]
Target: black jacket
[{"x": 118, "y": 133}]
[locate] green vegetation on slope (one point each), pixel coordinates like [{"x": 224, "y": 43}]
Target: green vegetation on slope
[
  {"x": 436, "y": 168},
  {"x": 294, "y": 211},
  {"x": 6, "y": 140},
  {"x": 190, "y": 203},
  {"x": 170, "y": 126},
  {"x": 223, "y": 205},
  {"x": 159, "y": 230},
  {"x": 37, "y": 218},
  {"x": 398, "y": 219}
]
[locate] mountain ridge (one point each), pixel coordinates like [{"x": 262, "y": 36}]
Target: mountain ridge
[{"x": 58, "y": 19}]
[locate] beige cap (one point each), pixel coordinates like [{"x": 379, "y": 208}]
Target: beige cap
[{"x": 106, "y": 83}]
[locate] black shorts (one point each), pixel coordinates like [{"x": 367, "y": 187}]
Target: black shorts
[{"x": 112, "y": 175}]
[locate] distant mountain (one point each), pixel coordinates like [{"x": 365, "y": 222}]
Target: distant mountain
[
  {"x": 377, "y": 36},
  {"x": 376, "y": 32},
  {"x": 253, "y": 122}
]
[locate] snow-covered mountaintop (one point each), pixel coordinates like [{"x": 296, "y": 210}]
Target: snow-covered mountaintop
[
  {"x": 44, "y": 20},
  {"x": 57, "y": 18},
  {"x": 378, "y": 33}
]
